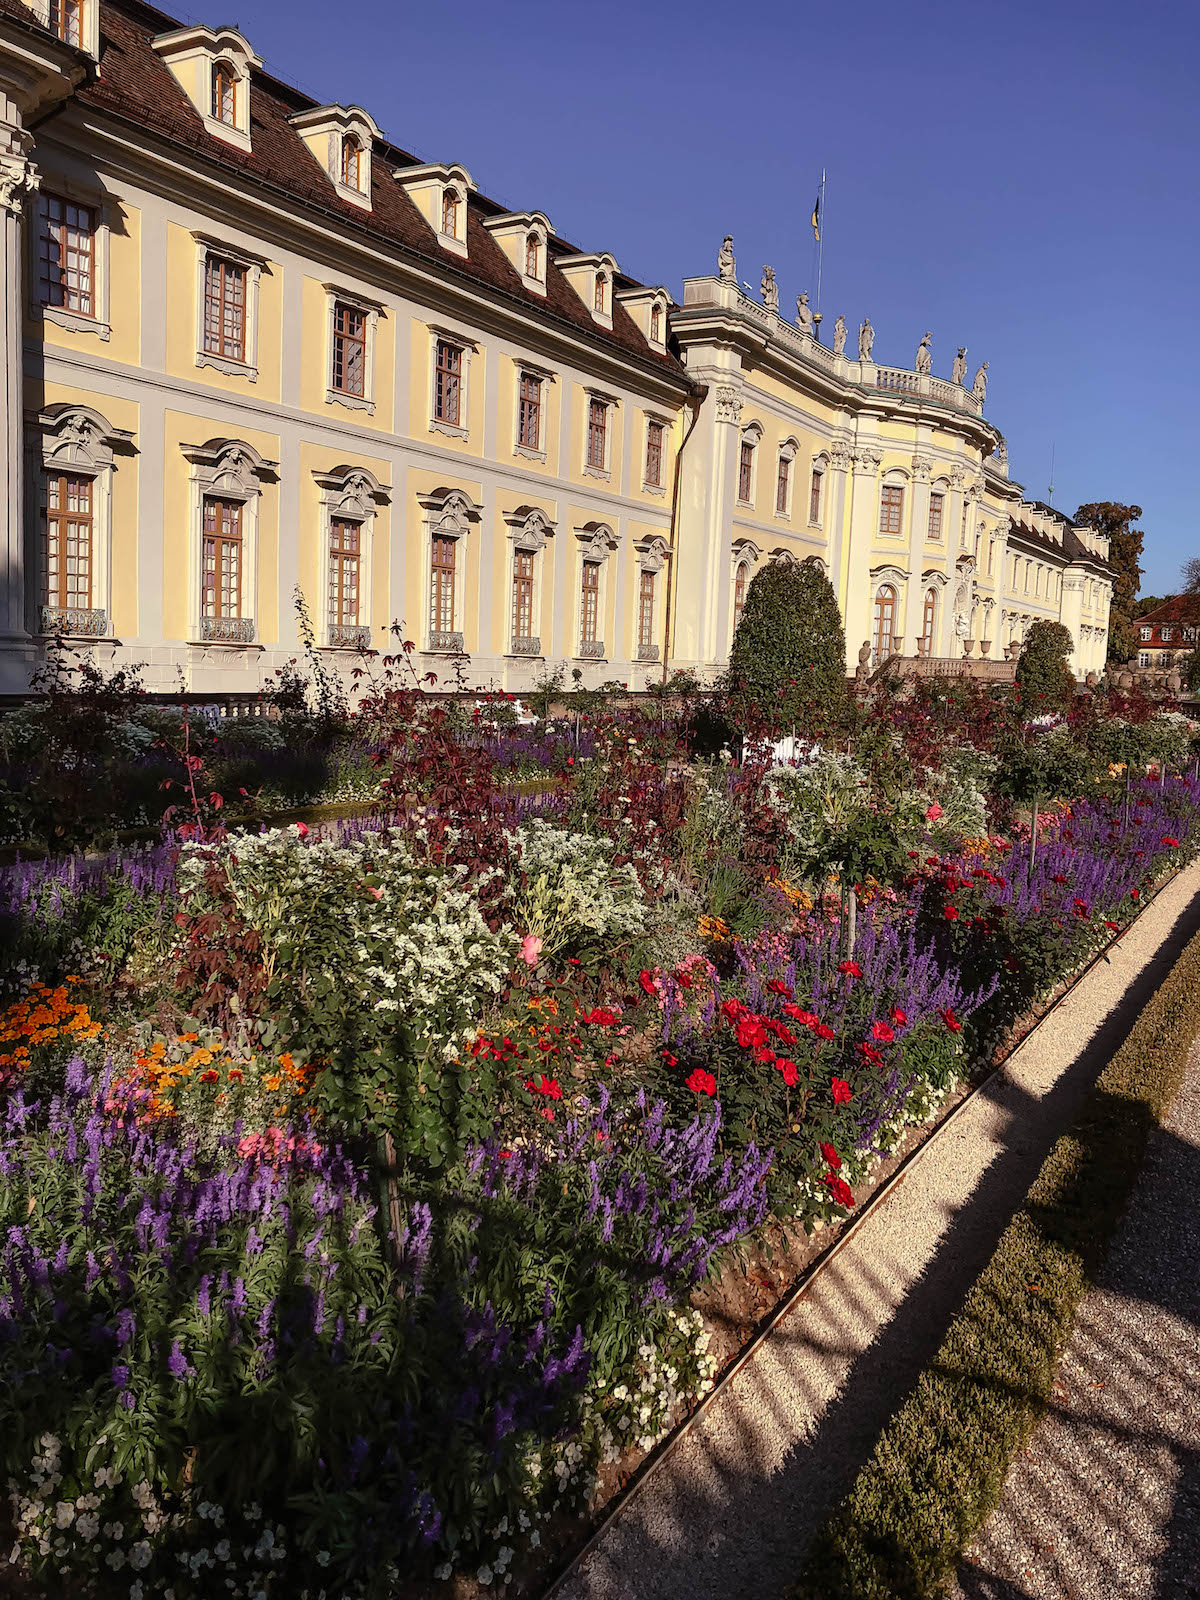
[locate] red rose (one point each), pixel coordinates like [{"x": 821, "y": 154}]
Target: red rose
[
  {"x": 669, "y": 1060},
  {"x": 806, "y": 1019},
  {"x": 600, "y": 1016},
  {"x": 899, "y": 1017},
  {"x": 831, "y": 1156},
  {"x": 731, "y": 1010},
  {"x": 750, "y": 1032},
  {"x": 822, "y": 1031},
  {"x": 1172, "y": 844},
  {"x": 776, "y": 987},
  {"x": 1113, "y": 927},
  {"x": 871, "y": 1054},
  {"x": 701, "y": 1082},
  {"x": 839, "y": 1190},
  {"x": 841, "y": 1091},
  {"x": 951, "y": 913},
  {"x": 647, "y": 983},
  {"x": 882, "y": 1032},
  {"x": 789, "y": 1070},
  {"x": 851, "y": 969},
  {"x": 951, "y": 1021}
]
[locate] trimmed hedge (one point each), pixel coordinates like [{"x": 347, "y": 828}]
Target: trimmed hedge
[
  {"x": 940, "y": 1466},
  {"x": 788, "y": 659},
  {"x": 1044, "y": 680}
]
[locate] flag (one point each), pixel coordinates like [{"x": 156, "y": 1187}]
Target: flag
[{"x": 816, "y": 218}]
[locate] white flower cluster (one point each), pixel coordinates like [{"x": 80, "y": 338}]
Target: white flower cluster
[
  {"x": 572, "y": 896},
  {"x": 366, "y": 910}
]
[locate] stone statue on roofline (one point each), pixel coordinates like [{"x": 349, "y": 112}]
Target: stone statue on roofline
[
  {"x": 959, "y": 370},
  {"x": 925, "y": 356},
  {"x": 839, "y": 336},
  {"x": 979, "y": 389},
  {"x": 770, "y": 289},
  {"x": 866, "y": 340},
  {"x": 804, "y": 316},
  {"x": 726, "y": 260}
]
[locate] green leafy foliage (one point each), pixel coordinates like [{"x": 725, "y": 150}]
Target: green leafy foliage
[
  {"x": 1044, "y": 680},
  {"x": 788, "y": 661}
]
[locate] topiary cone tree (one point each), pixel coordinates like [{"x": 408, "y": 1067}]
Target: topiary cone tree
[
  {"x": 1045, "y": 682},
  {"x": 787, "y": 667}
]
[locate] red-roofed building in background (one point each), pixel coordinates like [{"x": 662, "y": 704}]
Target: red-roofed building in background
[{"x": 1169, "y": 632}]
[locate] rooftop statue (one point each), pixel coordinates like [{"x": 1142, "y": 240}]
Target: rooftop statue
[
  {"x": 770, "y": 289},
  {"x": 866, "y": 340},
  {"x": 726, "y": 260},
  {"x": 980, "y": 387},
  {"x": 925, "y": 356},
  {"x": 804, "y": 316},
  {"x": 959, "y": 370},
  {"x": 839, "y": 336}
]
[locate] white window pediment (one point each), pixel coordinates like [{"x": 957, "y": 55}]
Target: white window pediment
[
  {"x": 451, "y": 513},
  {"x": 652, "y": 553},
  {"x": 342, "y": 139},
  {"x": 529, "y": 528},
  {"x": 597, "y": 541},
  {"x": 230, "y": 468},
  {"x": 352, "y": 492},
  {"x": 889, "y": 574},
  {"x": 819, "y": 562},
  {"x": 79, "y": 439},
  {"x": 213, "y": 67}
]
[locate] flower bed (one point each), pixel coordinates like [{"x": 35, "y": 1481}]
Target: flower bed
[{"x": 362, "y": 1184}]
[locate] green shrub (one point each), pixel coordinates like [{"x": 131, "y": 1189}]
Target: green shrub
[
  {"x": 788, "y": 661},
  {"x": 1044, "y": 680}
]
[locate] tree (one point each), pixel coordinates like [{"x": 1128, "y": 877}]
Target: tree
[
  {"x": 1189, "y": 574},
  {"x": 788, "y": 661},
  {"x": 1044, "y": 680},
  {"x": 1149, "y": 602},
  {"x": 1125, "y": 542}
]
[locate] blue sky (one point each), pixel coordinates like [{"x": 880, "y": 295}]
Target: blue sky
[{"x": 1020, "y": 178}]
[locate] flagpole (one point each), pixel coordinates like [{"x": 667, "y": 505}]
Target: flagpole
[{"x": 820, "y": 243}]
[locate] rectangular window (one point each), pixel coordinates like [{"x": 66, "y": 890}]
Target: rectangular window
[
  {"x": 814, "y": 495},
  {"x": 745, "y": 471},
  {"x": 782, "y": 482},
  {"x": 654, "y": 454},
  {"x": 532, "y": 269},
  {"x": 937, "y": 505},
  {"x": 345, "y": 553},
  {"x": 224, "y": 309},
  {"x": 891, "y": 505},
  {"x": 67, "y": 552},
  {"x": 441, "y": 589},
  {"x": 597, "y": 439},
  {"x": 447, "y": 388},
  {"x": 646, "y": 610},
  {"x": 450, "y": 213},
  {"x": 66, "y": 20},
  {"x": 221, "y": 584},
  {"x": 349, "y": 350},
  {"x": 590, "y": 602},
  {"x": 523, "y": 594},
  {"x": 224, "y": 95},
  {"x": 529, "y": 412},
  {"x": 739, "y": 593},
  {"x": 67, "y": 255}
]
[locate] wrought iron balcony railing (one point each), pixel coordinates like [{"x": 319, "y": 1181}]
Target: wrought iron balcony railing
[
  {"x": 449, "y": 642},
  {"x": 350, "y": 636},
  {"x": 79, "y": 623},
  {"x": 227, "y": 630}
]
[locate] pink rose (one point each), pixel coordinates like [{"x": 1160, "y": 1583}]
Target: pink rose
[
  {"x": 531, "y": 949},
  {"x": 302, "y": 829},
  {"x": 933, "y": 813}
]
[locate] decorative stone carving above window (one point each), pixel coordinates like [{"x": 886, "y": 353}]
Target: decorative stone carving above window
[
  {"x": 352, "y": 492},
  {"x": 77, "y": 439},
  {"x": 529, "y": 528},
  {"x": 524, "y": 236},
  {"x": 441, "y": 194},
  {"x": 592, "y": 277},
  {"x": 341, "y": 138},
  {"x": 213, "y": 67}
]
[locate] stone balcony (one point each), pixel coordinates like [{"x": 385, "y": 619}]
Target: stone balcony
[{"x": 699, "y": 293}]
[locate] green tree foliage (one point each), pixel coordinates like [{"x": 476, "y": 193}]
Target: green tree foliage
[
  {"x": 1147, "y": 603},
  {"x": 1044, "y": 680},
  {"x": 1125, "y": 542},
  {"x": 788, "y": 661}
]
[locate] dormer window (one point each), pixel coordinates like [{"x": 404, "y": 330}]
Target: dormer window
[
  {"x": 648, "y": 307},
  {"x": 213, "y": 67},
  {"x": 450, "y": 212},
  {"x": 66, "y": 21},
  {"x": 656, "y": 324},
  {"x": 341, "y": 137},
  {"x": 599, "y": 300},
  {"x": 352, "y": 160},
  {"x": 533, "y": 263},
  {"x": 440, "y": 193},
  {"x": 224, "y": 94}
]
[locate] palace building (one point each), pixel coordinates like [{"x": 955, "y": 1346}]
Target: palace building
[{"x": 252, "y": 349}]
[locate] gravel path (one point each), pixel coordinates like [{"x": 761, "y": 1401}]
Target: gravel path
[
  {"x": 731, "y": 1509},
  {"x": 1106, "y": 1500}
]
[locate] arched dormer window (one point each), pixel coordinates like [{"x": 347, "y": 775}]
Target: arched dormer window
[
  {"x": 224, "y": 94},
  {"x": 600, "y": 299},
  {"x": 352, "y": 162},
  {"x": 450, "y": 212},
  {"x": 533, "y": 257},
  {"x": 656, "y": 320}
]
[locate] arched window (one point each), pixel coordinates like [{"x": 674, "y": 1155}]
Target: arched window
[
  {"x": 656, "y": 324},
  {"x": 224, "y": 94},
  {"x": 928, "y": 621},
  {"x": 885, "y": 621},
  {"x": 741, "y": 579},
  {"x": 532, "y": 261},
  {"x": 450, "y": 213},
  {"x": 601, "y": 290},
  {"x": 352, "y": 154},
  {"x": 816, "y": 484}
]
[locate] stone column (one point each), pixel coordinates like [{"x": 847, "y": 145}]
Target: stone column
[
  {"x": 954, "y": 510},
  {"x": 1070, "y": 614},
  {"x": 922, "y": 471},
  {"x": 864, "y": 514},
  {"x": 18, "y": 180}
]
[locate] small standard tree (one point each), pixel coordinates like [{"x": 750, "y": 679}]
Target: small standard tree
[
  {"x": 1044, "y": 680},
  {"x": 788, "y": 661}
]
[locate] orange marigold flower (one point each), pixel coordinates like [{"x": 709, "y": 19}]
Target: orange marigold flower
[
  {"x": 209, "y": 1077},
  {"x": 273, "y": 1082}
]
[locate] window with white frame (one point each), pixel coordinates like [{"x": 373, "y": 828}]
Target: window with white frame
[
  {"x": 225, "y": 93},
  {"x": 70, "y": 519},
  {"x": 227, "y": 306},
  {"x": 352, "y": 329},
  {"x": 747, "y": 461},
  {"x": 533, "y": 257},
  {"x": 66, "y": 21},
  {"x": 783, "y": 478},
  {"x": 652, "y": 556},
  {"x": 451, "y": 517},
  {"x": 350, "y": 497},
  {"x": 656, "y": 323},
  {"x": 452, "y": 216},
  {"x": 885, "y": 623},
  {"x": 596, "y": 544},
  {"x": 449, "y": 359},
  {"x": 598, "y": 446},
  {"x": 816, "y": 488},
  {"x": 589, "y": 614},
  {"x": 937, "y": 513},
  {"x": 655, "y": 434},
  {"x": 645, "y": 615},
  {"x": 354, "y": 159},
  {"x": 741, "y": 579},
  {"x": 529, "y": 530},
  {"x": 529, "y": 411},
  {"x": 929, "y": 620},
  {"x": 69, "y": 252},
  {"x": 891, "y": 508},
  {"x": 226, "y": 487}
]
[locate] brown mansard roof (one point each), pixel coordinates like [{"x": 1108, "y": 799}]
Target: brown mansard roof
[
  {"x": 134, "y": 82},
  {"x": 1181, "y": 608}
]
